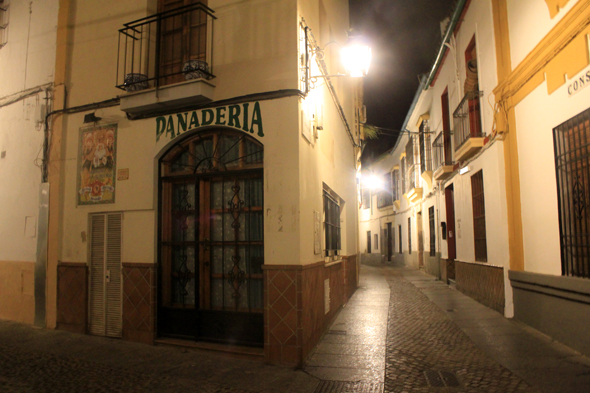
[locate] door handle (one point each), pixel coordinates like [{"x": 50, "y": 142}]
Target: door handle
[{"x": 107, "y": 276}]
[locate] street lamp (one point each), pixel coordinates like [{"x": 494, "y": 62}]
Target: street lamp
[{"x": 356, "y": 56}]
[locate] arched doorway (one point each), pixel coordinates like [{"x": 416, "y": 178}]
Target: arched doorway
[{"x": 211, "y": 235}]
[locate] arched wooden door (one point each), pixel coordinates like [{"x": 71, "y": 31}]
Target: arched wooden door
[{"x": 211, "y": 239}]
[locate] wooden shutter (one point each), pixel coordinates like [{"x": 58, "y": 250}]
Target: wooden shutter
[
  {"x": 113, "y": 286},
  {"x": 105, "y": 275},
  {"x": 97, "y": 282}
]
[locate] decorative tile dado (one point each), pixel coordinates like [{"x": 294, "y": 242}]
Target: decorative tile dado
[
  {"x": 72, "y": 292},
  {"x": 282, "y": 318},
  {"x": 139, "y": 302},
  {"x": 295, "y": 316},
  {"x": 484, "y": 283}
]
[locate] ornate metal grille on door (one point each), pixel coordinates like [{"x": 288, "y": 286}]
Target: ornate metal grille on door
[
  {"x": 211, "y": 239},
  {"x": 572, "y": 163}
]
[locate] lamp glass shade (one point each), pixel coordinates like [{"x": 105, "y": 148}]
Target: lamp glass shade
[{"x": 356, "y": 59}]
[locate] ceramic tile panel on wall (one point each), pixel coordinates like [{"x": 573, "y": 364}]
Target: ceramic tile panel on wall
[
  {"x": 72, "y": 297},
  {"x": 139, "y": 302},
  {"x": 282, "y": 296},
  {"x": 295, "y": 306}
]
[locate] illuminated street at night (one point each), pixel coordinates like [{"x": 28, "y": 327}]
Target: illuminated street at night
[
  {"x": 324, "y": 196},
  {"x": 402, "y": 331}
]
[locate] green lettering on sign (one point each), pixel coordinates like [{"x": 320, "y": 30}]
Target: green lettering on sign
[
  {"x": 244, "y": 117},
  {"x": 160, "y": 126},
  {"x": 207, "y": 117}
]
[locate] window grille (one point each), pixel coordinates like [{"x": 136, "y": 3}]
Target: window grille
[
  {"x": 432, "y": 231},
  {"x": 366, "y": 198},
  {"x": 399, "y": 232},
  {"x": 403, "y": 175},
  {"x": 385, "y": 197},
  {"x": 4, "y": 13},
  {"x": 479, "y": 217},
  {"x": 438, "y": 153},
  {"x": 409, "y": 235},
  {"x": 396, "y": 185},
  {"x": 572, "y": 166},
  {"x": 331, "y": 224},
  {"x": 425, "y": 147}
]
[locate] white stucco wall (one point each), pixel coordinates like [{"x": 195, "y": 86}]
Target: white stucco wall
[
  {"x": 26, "y": 61},
  {"x": 528, "y": 23},
  {"x": 536, "y": 116}
]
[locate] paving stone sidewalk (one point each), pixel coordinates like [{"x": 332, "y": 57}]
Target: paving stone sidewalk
[
  {"x": 39, "y": 361},
  {"x": 427, "y": 351},
  {"x": 402, "y": 331}
]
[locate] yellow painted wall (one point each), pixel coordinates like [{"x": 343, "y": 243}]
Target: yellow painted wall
[{"x": 17, "y": 297}]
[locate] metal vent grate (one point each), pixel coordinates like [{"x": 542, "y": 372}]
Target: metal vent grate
[
  {"x": 349, "y": 387},
  {"x": 441, "y": 379}
]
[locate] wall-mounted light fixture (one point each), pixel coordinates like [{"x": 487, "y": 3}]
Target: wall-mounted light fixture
[
  {"x": 464, "y": 170},
  {"x": 355, "y": 55},
  {"x": 91, "y": 118}
]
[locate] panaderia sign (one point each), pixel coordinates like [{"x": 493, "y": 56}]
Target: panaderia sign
[{"x": 245, "y": 117}]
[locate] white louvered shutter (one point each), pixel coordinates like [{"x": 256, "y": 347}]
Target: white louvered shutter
[
  {"x": 113, "y": 286},
  {"x": 105, "y": 275},
  {"x": 97, "y": 281}
]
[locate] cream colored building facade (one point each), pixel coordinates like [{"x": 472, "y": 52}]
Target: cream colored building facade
[
  {"x": 202, "y": 173},
  {"x": 498, "y": 207},
  {"x": 27, "y": 63}
]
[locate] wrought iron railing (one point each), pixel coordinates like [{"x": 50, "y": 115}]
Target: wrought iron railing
[
  {"x": 467, "y": 119},
  {"x": 438, "y": 152},
  {"x": 412, "y": 177},
  {"x": 165, "y": 48},
  {"x": 425, "y": 151},
  {"x": 396, "y": 185}
]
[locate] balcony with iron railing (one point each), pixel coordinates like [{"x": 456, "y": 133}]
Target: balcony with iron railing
[
  {"x": 443, "y": 167},
  {"x": 468, "y": 135},
  {"x": 165, "y": 60}
]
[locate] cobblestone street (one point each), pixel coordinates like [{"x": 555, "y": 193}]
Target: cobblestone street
[{"x": 402, "y": 331}]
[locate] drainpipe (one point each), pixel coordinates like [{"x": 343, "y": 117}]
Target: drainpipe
[{"x": 443, "y": 48}]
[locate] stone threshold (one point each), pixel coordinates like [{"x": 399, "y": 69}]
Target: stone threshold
[{"x": 250, "y": 352}]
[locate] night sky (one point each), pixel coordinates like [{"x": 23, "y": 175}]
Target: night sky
[{"x": 404, "y": 36}]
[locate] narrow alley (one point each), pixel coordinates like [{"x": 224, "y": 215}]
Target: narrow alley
[{"x": 402, "y": 331}]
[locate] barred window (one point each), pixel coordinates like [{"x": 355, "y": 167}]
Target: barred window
[
  {"x": 4, "y": 10},
  {"x": 409, "y": 235},
  {"x": 425, "y": 147},
  {"x": 366, "y": 198},
  {"x": 572, "y": 167},
  {"x": 396, "y": 186},
  {"x": 385, "y": 197},
  {"x": 331, "y": 224}
]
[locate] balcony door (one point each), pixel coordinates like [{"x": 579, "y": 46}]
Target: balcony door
[
  {"x": 212, "y": 240},
  {"x": 183, "y": 37}
]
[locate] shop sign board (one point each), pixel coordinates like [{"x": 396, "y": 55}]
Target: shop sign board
[{"x": 246, "y": 117}]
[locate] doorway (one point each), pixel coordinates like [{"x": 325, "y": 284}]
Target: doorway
[
  {"x": 389, "y": 241},
  {"x": 451, "y": 243},
  {"x": 212, "y": 240}
]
